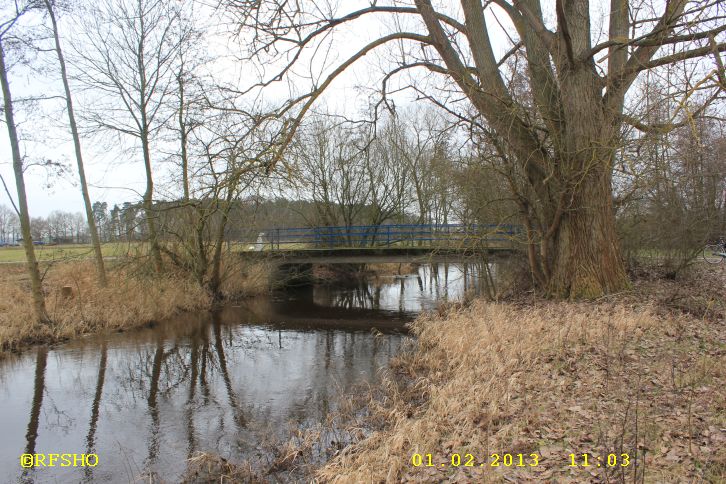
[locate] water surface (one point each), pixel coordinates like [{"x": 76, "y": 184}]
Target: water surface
[{"x": 146, "y": 400}]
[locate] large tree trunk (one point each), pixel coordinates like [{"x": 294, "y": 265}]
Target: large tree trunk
[
  {"x": 92, "y": 229},
  {"x": 32, "y": 263},
  {"x": 569, "y": 171},
  {"x": 585, "y": 253}
]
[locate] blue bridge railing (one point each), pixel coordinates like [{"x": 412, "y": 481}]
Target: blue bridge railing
[{"x": 392, "y": 235}]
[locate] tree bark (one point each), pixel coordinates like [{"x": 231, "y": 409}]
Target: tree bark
[
  {"x": 183, "y": 134},
  {"x": 585, "y": 255},
  {"x": 93, "y": 230},
  {"x": 586, "y": 260},
  {"x": 149, "y": 200},
  {"x": 41, "y": 314},
  {"x": 215, "y": 278}
]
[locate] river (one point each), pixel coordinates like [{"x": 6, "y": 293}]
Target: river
[{"x": 146, "y": 400}]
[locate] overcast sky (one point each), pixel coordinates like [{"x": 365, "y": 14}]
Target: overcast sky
[{"x": 114, "y": 167}]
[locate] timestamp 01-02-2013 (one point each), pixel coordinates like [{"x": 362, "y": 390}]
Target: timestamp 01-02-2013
[{"x": 518, "y": 460}]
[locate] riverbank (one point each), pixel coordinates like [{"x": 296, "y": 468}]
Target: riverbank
[
  {"x": 78, "y": 306},
  {"x": 635, "y": 381}
]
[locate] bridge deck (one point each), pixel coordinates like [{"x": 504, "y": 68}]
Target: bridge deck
[
  {"x": 383, "y": 243},
  {"x": 374, "y": 255}
]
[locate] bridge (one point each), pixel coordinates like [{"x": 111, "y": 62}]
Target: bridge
[{"x": 382, "y": 243}]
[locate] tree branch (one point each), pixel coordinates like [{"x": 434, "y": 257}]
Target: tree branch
[{"x": 290, "y": 126}]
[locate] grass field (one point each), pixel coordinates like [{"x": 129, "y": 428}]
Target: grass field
[
  {"x": 67, "y": 252},
  {"x": 47, "y": 253}
]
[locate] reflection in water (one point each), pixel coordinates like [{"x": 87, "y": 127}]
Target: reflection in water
[
  {"x": 38, "y": 389},
  {"x": 151, "y": 401},
  {"x": 406, "y": 294},
  {"x": 219, "y": 347},
  {"x": 91, "y": 437},
  {"x": 189, "y": 408},
  {"x": 219, "y": 382}
]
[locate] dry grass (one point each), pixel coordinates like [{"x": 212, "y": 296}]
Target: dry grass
[
  {"x": 132, "y": 298},
  {"x": 552, "y": 379},
  {"x": 244, "y": 278},
  {"x": 129, "y": 300},
  {"x": 204, "y": 468}
]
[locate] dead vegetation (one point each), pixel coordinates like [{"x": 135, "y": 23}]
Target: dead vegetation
[
  {"x": 133, "y": 297},
  {"x": 204, "y": 468},
  {"x": 296, "y": 457},
  {"x": 633, "y": 374},
  {"x": 552, "y": 379}
]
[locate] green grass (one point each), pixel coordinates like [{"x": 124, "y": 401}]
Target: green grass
[{"x": 66, "y": 252}]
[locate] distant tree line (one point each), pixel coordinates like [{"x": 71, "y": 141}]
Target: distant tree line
[{"x": 121, "y": 223}]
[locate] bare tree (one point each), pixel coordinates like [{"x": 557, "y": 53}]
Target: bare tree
[
  {"x": 390, "y": 171},
  {"x": 191, "y": 102},
  {"x": 227, "y": 154},
  {"x": 93, "y": 231},
  {"x": 127, "y": 56},
  {"x": 18, "y": 169},
  {"x": 8, "y": 224},
  {"x": 388, "y": 178},
  {"x": 418, "y": 140},
  {"x": 330, "y": 171},
  {"x": 670, "y": 181},
  {"x": 565, "y": 140}
]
